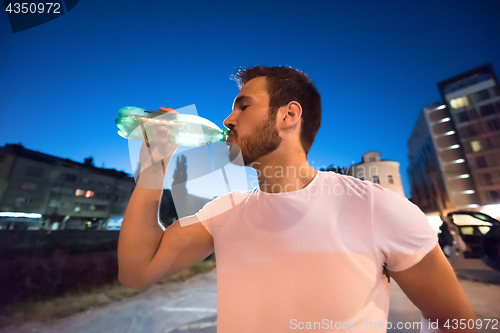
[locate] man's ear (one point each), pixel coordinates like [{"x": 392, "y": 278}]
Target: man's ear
[{"x": 290, "y": 115}]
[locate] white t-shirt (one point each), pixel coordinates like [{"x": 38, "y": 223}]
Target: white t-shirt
[{"x": 312, "y": 259}]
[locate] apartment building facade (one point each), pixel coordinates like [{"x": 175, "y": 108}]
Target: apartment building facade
[
  {"x": 44, "y": 191},
  {"x": 462, "y": 137},
  {"x": 473, "y": 99},
  {"x": 424, "y": 172}
]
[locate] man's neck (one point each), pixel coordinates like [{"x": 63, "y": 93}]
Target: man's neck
[{"x": 284, "y": 174}]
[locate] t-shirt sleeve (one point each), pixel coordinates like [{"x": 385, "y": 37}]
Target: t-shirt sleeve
[
  {"x": 401, "y": 230},
  {"x": 208, "y": 214}
]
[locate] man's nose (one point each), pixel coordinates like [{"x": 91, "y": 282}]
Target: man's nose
[{"x": 230, "y": 121}]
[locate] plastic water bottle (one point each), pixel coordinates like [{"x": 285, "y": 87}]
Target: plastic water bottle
[{"x": 183, "y": 129}]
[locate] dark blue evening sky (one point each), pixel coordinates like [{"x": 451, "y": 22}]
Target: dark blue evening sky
[{"x": 376, "y": 64}]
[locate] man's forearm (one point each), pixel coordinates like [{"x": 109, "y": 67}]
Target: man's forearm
[{"x": 141, "y": 231}]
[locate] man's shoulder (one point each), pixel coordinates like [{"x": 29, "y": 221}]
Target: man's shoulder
[
  {"x": 361, "y": 185},
  {"x": 330, "y": 175},
  {"x": 223, "y": 203},
  {"x": 344, "y": 184},
  {"x": 234, "y": 195}
]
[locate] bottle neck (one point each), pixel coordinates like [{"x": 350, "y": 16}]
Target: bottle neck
[{"x": 225, "y": 134}]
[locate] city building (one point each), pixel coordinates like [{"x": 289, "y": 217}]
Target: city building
[
  {"x": 378, "y": 171},
  {"x": 465, "y": 132},
  {"x": 473, "y": 99},
  {"x": 44, "y": 191},
  {"x": 424, "y": 172}
]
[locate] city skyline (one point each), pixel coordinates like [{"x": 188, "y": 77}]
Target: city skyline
[{"x": 376, "y": 68}]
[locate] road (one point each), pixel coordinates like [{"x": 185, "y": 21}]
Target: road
[{"x": 191, "y": 307}]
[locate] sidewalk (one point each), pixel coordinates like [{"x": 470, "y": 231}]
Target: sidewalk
[{"x": 159, "y": 309}]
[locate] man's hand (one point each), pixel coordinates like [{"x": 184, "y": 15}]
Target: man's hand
[{"x": 155, "y": 153}]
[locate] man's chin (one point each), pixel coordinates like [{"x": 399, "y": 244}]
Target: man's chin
[{"x": 234, "y": 154}]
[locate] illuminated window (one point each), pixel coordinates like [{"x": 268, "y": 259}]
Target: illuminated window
[
  {"x": 89, "y": 194},
  {"x": 79, "y": 192},
  {"x": 476, "y": 145},
  {"x": 460, "y": 102}
]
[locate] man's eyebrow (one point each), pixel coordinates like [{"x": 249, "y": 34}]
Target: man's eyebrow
[{"x": 240, "y": 99}]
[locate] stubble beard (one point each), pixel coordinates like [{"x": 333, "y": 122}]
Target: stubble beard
[{"x": 264, "y": 141}]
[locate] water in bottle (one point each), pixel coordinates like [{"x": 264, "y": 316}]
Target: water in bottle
[{"x": 183, "y": 129}]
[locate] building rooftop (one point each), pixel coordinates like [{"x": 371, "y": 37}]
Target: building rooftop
[
  {"x": 20, "y": 151},
  {"x": 468, "y": 78}
]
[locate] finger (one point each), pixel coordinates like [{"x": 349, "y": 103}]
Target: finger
[
  {"x": 162, "y": 134},
  {"x": 167, "y": 110}
]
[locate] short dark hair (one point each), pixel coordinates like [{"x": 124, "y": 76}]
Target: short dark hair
[{"x": 284, "y": 85}]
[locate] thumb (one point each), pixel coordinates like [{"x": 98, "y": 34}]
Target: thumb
[{"x": 162, "y": 109}]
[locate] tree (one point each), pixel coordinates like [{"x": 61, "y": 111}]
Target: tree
[{"x": 336, "y": 169}]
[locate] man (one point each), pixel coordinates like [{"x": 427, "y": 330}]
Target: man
[{"x": 304, "y": 249}]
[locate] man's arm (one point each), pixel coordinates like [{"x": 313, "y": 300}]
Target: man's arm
[
  {"x": 433, "y": 287},
  {"x": 146, "y": 251}
]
